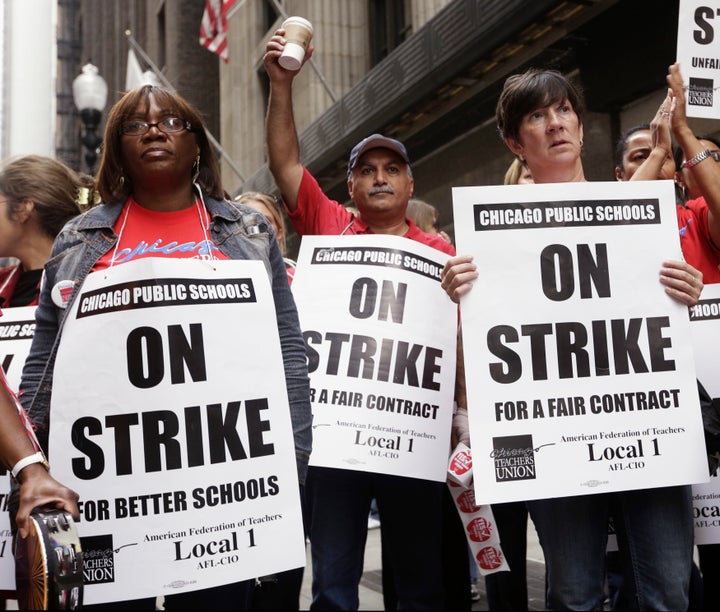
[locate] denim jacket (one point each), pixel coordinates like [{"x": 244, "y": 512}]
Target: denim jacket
[{"x": 239, "y": 232}]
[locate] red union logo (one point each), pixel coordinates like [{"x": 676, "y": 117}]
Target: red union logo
[
  {"x": 466, "y": 501},
  {"x": 461, "y": 463},
  {"x": 489, "y": 558},
  {"x": 479, "y": 529}
]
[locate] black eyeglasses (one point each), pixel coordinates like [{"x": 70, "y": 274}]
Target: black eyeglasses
[{"x": 169, "y": 125}]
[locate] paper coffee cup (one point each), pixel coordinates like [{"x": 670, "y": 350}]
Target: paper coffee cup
[{"x": 298, "y": 34}]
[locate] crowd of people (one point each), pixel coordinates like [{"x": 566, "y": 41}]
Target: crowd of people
[{"x": 159, "y": 183}]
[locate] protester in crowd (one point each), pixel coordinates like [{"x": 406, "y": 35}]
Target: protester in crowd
[
  {"x": 426, "y": 217},
  {"x": 40, "y": 195},
  {"x": 280, "y": 591},
  {"x": 708, "y": 554},
  {"x": 505, "y": 590},
  {"x": 517, "y": 173},
  {"x": 539, "y": 115},
  {"x": 699, "y": 216},
  {"x": 18, "y": 454},
  {"x": 160, "y": 184},
  {"x": 29, "y": 470},
  {"x": 699, "y": 224},
  {"x": 268, "y": 206},
  {"x": 684, "y": 177},
  {"x": 631, "y": 151},
  {"x": 508, "y": 590},
  {"x": 412, "y": 511},
  {"x": 635, "y": 146}
]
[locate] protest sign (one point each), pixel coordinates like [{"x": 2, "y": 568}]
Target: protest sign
[
  {"x": 170, "y": 418},
  {"x": 698, "y": 52},
  {"x": 381, "y": 339},
  {"x": 17, "y": 326},
  {"x": 705, "y": 332},
  {"x": 579, "y": 369}
]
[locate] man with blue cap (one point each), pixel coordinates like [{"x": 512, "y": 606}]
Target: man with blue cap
[
  {"x": 380, "y": 183},
  {"x": 416, "y": 525}
]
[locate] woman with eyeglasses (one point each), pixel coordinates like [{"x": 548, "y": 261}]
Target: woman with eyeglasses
[{"x": 163, "y": 199}]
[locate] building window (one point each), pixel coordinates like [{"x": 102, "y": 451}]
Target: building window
[
  {"x": 162, "y": 37},
  {"x": 388, "y": 27},
  {"x": 264, "y": 81},
  {"x": 270, "y": 13}
]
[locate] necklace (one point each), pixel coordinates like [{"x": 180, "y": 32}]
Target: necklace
[{"x": 204, "y": 224}]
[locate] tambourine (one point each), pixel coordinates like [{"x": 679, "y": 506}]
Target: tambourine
[{"x": 49, "y": 563}]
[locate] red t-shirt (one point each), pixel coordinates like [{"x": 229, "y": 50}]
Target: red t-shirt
[
  {"x": 316, "y": 214},
  {"x": 148, "y": 233},
  {"x": 695, "y": 241}
]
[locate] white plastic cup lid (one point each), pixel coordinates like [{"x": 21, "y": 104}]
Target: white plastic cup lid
[{"x": 298, "y": 20}]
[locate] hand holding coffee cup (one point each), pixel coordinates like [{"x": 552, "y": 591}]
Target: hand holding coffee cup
[{"x": 298, "y": 34}]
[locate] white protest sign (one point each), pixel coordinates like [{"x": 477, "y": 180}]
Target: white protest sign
[
  {"x": 579, "y": 369},
  {"x": 17, "y": 326},
  {"x": 381, "y": 337},
  {"x": 705, "y": 331},
  {"x": 698, "y": 52},
  {"x": 170, "y": 418}
]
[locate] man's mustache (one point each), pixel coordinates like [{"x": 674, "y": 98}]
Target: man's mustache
[{"x": 381, "y": 189}]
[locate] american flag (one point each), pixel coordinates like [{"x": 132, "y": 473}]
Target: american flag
[{"x": 214, "y": 27}]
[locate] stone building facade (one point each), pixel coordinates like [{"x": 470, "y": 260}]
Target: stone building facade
[
  {"x": 425, "y": 71},
  {"x": 167, "y": 31}
]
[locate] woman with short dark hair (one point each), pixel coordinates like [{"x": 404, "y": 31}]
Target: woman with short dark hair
[{"x": 539, "y": 116}]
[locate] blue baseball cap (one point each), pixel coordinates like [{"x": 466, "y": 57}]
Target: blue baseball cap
[{"x": 376, "y": 141}]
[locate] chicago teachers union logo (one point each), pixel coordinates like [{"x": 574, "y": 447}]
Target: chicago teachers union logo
[
  {"x": 514, "y": 458},
  {"x": 700, "y": 92},
  {"x": 98, "y": 559}
]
